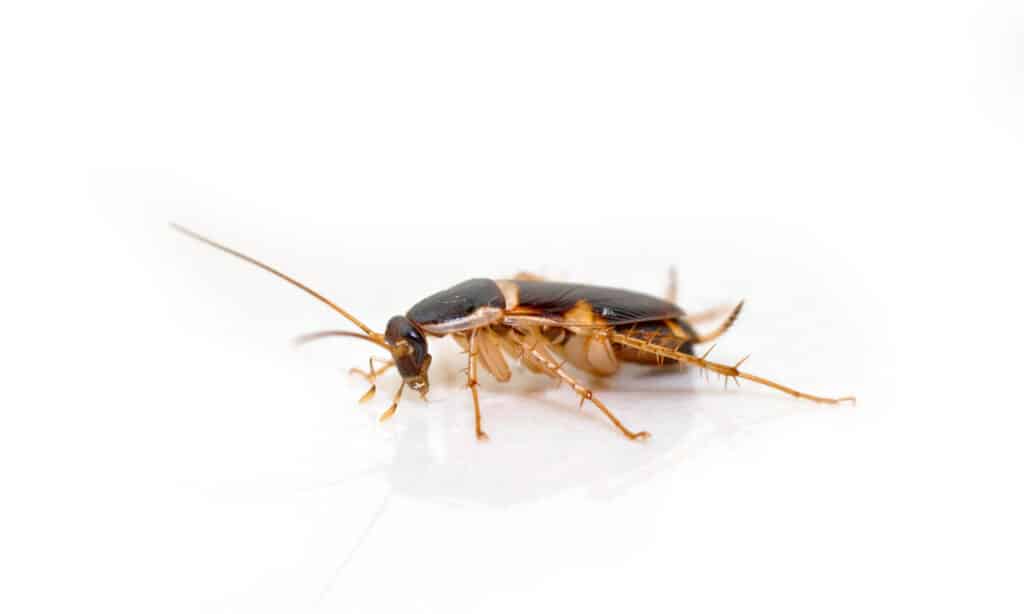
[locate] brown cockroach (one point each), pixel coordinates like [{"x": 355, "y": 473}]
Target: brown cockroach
[{"x": 544, "y": 325}]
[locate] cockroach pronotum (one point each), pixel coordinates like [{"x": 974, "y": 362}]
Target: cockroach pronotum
[{"x": 542, "y": 324}]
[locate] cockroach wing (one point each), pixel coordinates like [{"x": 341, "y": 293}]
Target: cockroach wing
[{"x": 612, "y": 305}]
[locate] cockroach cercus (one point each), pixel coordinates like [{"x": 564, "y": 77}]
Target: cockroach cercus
[{"x": 544, "y": 325}]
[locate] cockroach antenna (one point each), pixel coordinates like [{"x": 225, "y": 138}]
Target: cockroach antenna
[{"x": 370, "y": 335}]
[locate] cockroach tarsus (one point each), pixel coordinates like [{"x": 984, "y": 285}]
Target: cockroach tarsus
[{"x": 542, "y": 324}]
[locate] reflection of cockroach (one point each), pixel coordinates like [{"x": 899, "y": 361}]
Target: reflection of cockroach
[{"x": 537, "y": 322}]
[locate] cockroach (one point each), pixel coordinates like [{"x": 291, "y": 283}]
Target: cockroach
[{"x": 543, "y": 325}]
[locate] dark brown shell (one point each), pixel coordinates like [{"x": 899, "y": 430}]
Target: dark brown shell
[
  {"x": 613, "y": 305},
  {"x": 457, "y": 302}
]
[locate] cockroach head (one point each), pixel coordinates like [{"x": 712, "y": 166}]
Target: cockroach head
[{"x": 409, "y": 350}]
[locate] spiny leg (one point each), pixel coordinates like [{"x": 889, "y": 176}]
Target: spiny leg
[
  {"x": 472, "y": 381},
  {"x": 530, "y": 349},
  {"x": 722, "y": 369}
]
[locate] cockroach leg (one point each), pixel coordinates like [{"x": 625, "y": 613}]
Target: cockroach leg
[
  {"x": 471, "y": 373},
  {"x": 390, "y": 411},
  {"x": 585, "y": 393},
  {"x": 671, "y": 293},
  {"x": 722, "y": 369},
  {"x": 724, "y": 326},
  {"x": 372, "y": 374},
  {"x": 372, "y": 378},
  {"x": 368, "y": 394}
]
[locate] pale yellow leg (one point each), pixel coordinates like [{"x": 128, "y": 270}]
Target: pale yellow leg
[
  {"x": 390, "y": 411},
  {"x": 471, "y": 373},
  {"x": 733, "y": 371},
  {"x": 371, "y": 377},
  {"x": 372, "y": 374},
  {"x": 530, "y": 349}
]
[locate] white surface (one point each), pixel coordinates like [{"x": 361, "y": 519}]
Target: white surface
[{"x": 849, "y": 170}]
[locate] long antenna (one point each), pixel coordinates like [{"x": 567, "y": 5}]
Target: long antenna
[
  {"x": 374, "y": 336},
  {"x": 303, "y": 339}
]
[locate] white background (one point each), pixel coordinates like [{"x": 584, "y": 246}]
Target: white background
[{"x": 851, "y": 169}]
